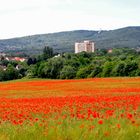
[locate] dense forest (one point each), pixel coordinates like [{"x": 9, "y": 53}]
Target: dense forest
[{"x": 120, "y": 62}]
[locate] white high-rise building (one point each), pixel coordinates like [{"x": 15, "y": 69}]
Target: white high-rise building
[{"x": 87, "y": 46}]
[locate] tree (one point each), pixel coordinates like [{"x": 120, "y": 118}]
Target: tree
[
  {"x": 32, "y": 71},
  {"x": 53, "y": 67},
  {"x": 4, "y": 62},
  {"x": 2, "y": 74},
  {"x": 131, "y": 68},
  {"x": 84, "y": 72},
  {"x": 107, "y": 68},
  {"x": 68, "y": 72},
  {"x": 74, "y": 62},
  {"x": 31, "y": 61},
  {"x": 119, "y": 69},
  {"x": 47, "y": 52},
  {"x": 40, "y": 72},
  {"x": 11, "y": 73},
  {"x": 96, "y": 72}
]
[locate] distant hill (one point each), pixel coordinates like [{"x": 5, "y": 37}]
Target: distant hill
[{"x": 64, "y": 41}]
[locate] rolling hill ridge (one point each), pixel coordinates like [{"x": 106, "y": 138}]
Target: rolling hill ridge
[{"x": 64, "y": 41}]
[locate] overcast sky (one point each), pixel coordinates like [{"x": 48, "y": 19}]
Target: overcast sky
[{"x": 28, "y": 17}]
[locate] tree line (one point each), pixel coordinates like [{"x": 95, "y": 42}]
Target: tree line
[{"x": 121, "y": 62}]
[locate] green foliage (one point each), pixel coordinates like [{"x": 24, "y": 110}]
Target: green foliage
[
  {"x": 81, "y": 65},
  {"x": 88, "y": 65},
  {"x": 2, "y": 74},
  {"x": 53, "y": 67},
  {"x": 40, "y": 70},
  {"x": 68, "y": 72},
  {"x": 32, "y": 71},
  {"x": 119, "y": 69},
  {"x": 131, "y": 67},
  {"x": 107, "y": 69},
  {"x": 84, "y": 72},
  {"x": 4, "y": 62},
  {"x": 31, "y": 61},
  {"x": 11, "y": 73},
  {"x": 96, "y": 72},
  {"x": 47, "y": 53},
  {"x": 12, "y": 70}
]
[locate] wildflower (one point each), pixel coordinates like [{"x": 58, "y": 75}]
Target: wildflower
[
  {"x": 133, "y": 121},
  {"x": 91, "y": 127},
  {"x": 129, "y": 116},
  {"x": 36, "y": 119},
  {"x": 100, "y": 122},
  {"x": 20, "y": 122},
  {"x": 59, "y": 123},
  {"x": 118, "y": 126},
  {"x": 82, "y": 126}
]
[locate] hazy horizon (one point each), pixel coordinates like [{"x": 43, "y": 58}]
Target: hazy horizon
[{"x": 30, "y": 17}]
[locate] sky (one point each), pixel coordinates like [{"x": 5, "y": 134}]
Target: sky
[{"x": 28, "y": 17}]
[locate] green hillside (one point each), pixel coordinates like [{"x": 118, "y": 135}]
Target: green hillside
[{"x": 64, "y": 41}]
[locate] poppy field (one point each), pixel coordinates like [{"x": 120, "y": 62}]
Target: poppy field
[{"x": 81, "y": 109}]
